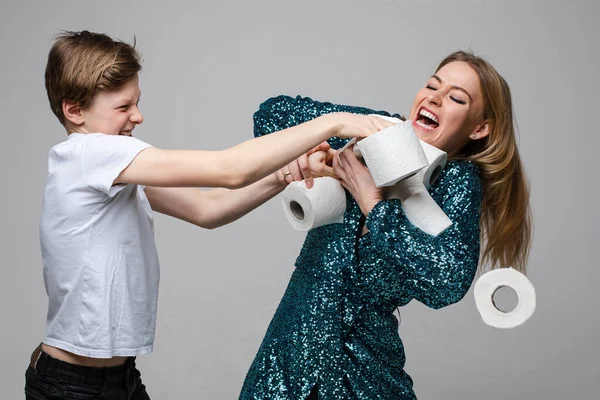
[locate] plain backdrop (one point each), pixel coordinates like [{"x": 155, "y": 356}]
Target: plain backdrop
[{"x": 207, "y": 67}]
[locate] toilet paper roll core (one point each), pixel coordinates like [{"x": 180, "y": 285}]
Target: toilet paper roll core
[{"x": 297, "y": 210}]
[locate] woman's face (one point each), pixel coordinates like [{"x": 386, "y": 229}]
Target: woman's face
[{"x": 448, "y": 111}]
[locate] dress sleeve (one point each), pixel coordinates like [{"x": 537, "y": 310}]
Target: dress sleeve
[
  {"x": 437, "y": 271},
  {"x": 282, "y": 112}
]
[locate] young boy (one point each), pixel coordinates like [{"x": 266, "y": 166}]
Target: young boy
[{"x": 99, "y": 258}]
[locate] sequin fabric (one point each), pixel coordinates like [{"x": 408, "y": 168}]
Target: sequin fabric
[{"x": 334, "y": 327}]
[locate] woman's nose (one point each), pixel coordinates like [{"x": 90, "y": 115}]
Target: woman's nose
[{"x": 434, "y": 98}]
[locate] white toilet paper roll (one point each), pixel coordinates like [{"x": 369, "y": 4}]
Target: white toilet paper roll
[
  {"x": 486, "y": 286},
  {"x": 423, "y": 212},
  {"x": 437, "y": 161},
  {"x": 324, "y": 203},
  {"x": 435, "y": 157},
  {"x": 355, "y": 149},
  {"x": 393, "y": 154},
  {"x": 391, "y": 119},
  {"x": 419, "y": 207}
]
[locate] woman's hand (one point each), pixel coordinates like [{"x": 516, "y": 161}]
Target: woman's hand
[
  {"x": 357, "y": 179},
  {"x": 316, "y": 163},
  {"x": 348, "y": 125}
]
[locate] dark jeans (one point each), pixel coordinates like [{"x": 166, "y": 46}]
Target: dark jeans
[{"x": 52, "y": 379}]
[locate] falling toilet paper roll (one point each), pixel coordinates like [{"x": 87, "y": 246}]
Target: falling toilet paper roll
[
  {"x": 486, "y": 286},
  {"x": 324, "y": 203},
  {"x": 393, "y": 153},
  {"x": 418, "y": 205}
]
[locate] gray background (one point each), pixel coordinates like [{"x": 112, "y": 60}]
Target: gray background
[{"x": 208, "y": 65}]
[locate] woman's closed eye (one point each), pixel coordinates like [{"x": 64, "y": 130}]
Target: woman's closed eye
[
  {"x": 430, "y": 87},
  {"x": 457, "y": 100}
]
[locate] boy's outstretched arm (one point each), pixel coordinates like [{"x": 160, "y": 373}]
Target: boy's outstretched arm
[
  {"x": 211, "y": 209},
  {"x": 217, "y": 207},
  {"x": 247, "y": 162}
]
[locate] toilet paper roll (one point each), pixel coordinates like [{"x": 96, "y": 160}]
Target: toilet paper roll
[
  {"x": 420, "y": 208},
  {"x": 423, "y": 179},
  {"x": 355, "y": 149},
  {"x": 391, "y": 119},
  {"x": 424, "y": 213},
  {"x": 437, "y": 161},
  {"x": 324, "y": 203},
  {"x": 435, "y": 157},
  {"x": 393, "y": 154},
  {"x": 486, "y": 286}
]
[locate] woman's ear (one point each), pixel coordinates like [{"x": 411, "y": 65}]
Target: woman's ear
[
  {"x": 72, "y": 113},
  {"x": 481, "y": 130}
]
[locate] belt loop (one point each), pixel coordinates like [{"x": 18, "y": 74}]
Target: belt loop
[
  {"x": 127, "y": 375},
  {"x": 35, "y": 357},
  {"x": 36, "y": 361},
  {"x": 105, "y": 383}
]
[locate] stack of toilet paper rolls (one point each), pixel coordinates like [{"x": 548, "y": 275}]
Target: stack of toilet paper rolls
[{"x": 398, "y": 161}]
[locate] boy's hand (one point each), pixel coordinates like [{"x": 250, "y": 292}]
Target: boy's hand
[
  {"x": 321, "y": 163},
  {"x": 316, "y": 163},
  {"x": 348, "y": 125}
]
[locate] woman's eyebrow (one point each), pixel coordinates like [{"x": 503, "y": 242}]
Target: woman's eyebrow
[{"x": 453, "y": 87}]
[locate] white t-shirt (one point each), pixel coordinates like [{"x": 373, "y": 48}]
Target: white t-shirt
[{"x": 99, "y": 258}]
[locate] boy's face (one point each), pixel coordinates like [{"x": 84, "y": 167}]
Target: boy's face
[{"x": 115, "y": 112}]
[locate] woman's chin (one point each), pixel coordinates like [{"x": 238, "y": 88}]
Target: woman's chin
[{"x": 427, "y": 136}]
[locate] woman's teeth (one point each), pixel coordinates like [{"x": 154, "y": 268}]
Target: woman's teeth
[
  {"x": 422, "y": 125},
  {"x": 429, "y": 115}
]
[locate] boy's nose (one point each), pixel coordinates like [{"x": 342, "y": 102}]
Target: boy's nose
[{"x": 136, "y": 117}]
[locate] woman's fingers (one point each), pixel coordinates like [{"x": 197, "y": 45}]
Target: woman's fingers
[{"x": 338, "y": 167}]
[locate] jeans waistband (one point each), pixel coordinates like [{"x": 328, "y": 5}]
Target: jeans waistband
[{"x": 67, "y": 372}]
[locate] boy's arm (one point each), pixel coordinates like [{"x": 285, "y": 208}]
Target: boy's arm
[
  {"x": 245, "y": 163},
  {"x": 212, "y": 208}
]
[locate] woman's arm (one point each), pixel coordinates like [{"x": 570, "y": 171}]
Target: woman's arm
[
  {"x": 247, "y": 162},
  {"x": 439, "y": 269},
  {"x": 436, "y": 270}
]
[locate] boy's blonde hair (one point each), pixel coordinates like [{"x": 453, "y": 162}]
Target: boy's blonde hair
[{"x": 82, "y": 64}]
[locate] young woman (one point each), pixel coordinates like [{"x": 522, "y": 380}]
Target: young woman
[{"x": 334, "y": 335}]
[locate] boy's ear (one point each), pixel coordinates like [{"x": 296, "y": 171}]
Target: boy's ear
[{"x": 72, "y": 112}]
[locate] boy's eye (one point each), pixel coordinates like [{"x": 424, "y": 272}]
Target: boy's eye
[
  {"x": 458, "y": 100},
  {"x": 430, "y": 87}
]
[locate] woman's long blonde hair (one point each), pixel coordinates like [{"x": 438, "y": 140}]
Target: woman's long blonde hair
[{"x": 506, "y": 222}]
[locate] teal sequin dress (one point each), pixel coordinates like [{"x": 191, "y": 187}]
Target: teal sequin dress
[{"x": 335, "y": 328}]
